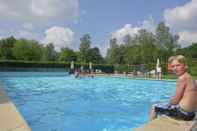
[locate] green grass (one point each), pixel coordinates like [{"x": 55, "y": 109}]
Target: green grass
[
  {"x": 194, "y": 77},
  {"x": 169, "y": 76}
]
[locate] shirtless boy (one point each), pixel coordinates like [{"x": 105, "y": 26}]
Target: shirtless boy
[{"x": 184, "y": 103}]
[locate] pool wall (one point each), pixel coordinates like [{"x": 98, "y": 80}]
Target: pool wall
[{"x": 10, "y": 118}]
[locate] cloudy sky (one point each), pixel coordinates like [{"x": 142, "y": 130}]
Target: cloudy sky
[{"x": 63, "y": 22}]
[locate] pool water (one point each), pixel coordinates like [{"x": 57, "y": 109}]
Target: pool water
[{"x": 60, "y": 102}]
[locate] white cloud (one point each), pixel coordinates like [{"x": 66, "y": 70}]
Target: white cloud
[
  {"x": 182, "y": 20},
  {"x": 27, "y": 35},
  {"x": 30, "y": 18},
  {"x": 182, "y": 17},
  {"x": 128, "y": 29},
  {"x": 149, "y": 24},
  {"x": 38, "y": 11},
  {"x": 187, "y": 38},
  {"x": 28, "y": 26},
  {"x": 59, "y": 36}
]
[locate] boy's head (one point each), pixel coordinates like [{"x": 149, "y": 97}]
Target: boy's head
[{"x": 178, "y": 64}]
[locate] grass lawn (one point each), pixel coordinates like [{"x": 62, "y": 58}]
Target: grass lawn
[
  {"x": 175, "y": 77},
  {"x": 169, "y": 76},
  {"x": 194, "y": 77}
]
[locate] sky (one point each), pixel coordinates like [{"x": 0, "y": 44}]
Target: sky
[{"x": 64, "y": 22}]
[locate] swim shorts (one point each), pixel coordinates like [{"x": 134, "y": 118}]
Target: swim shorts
[{"x": 174, "y": 111}]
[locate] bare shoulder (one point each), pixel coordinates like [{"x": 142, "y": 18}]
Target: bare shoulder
[
  {"x": 188, "y": 80},
  {"x": 184, "y": 81},
  {"x": 184, "y": 78}
]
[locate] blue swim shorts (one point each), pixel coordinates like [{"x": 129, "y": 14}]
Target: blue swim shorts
[{"x": 174, "y": 111}]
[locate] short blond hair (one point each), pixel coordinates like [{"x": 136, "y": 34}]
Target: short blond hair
[
  {"x": 170, "y": 59},
  {"x": 179, "y": 58}
]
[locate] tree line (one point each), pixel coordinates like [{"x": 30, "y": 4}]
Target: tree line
[
  {"x": 143, "y": 48},
  {"x": 30, "y": 50}
]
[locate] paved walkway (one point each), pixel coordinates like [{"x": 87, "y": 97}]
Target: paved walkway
[{"x": 10, "y": 118}]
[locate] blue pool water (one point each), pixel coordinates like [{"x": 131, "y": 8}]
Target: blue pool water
[{"x": 59, "y": 102}]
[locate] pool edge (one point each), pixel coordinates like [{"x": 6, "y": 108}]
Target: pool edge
[{"x": 10, "y": 117}]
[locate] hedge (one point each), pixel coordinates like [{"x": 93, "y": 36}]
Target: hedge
[
  {"x": 103, "y": 67},
  {"x": 8, "y": 64}
]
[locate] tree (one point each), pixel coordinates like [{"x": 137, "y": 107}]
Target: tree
[
  {"x": 6, "y": 46},
  {"x": 49, "y": 53},
  {"x": 193, "y": 50},
  {"x": 127, "y": 39},
  {"x": 28, "y": 50},
  {"x": 68, "y": 55},
  {"x": 132, "y": 55},
  {"x": 115, "y": 53},
  {"x": 84, "y": 48},
  {"x": 95, "y": 56},
  {"x": 166, "y": 42},
  {"x": 148, "y": 50},
  {"x": 189, "y": 52}
]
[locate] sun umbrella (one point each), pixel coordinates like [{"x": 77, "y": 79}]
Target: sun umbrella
[
  {"x": 72, "y": 65},
  {"x": 90, "y": 65},
  {"x": 158, "y": 63}
]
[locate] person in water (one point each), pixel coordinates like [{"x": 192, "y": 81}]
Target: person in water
[{"x": 184, "y": 103}]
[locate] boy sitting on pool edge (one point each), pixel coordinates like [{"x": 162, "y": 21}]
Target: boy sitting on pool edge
[{"x": 184, "y": 103}]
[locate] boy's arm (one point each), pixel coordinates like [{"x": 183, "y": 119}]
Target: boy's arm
[{"x": 179, "y": 92}]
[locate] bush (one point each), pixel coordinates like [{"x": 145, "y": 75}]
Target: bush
[
  {"x": 193, "y": 68},
  {"x": 104, "y": 68},
  {"x": 5, "y": 64},
  {"x": 23, "y": 64}
]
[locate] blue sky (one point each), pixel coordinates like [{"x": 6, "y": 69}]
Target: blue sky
[
  {"x": 100, "y": 18},
  {"x": 63, "y": 22}
]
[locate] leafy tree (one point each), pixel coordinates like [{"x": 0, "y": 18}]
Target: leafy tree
[
  {"x": 166, "y": 42},
  {"x": 114, "y": 53},
  {"x": 27, "y": 50},
  {"x": 132, "y": 55},
  {"x": 84, "y": 48},
  {"x": 193, "y": 50},
  {"x": 49, "y": 53},
  {"x": 67, "y": 55},
  {"x": 128, "y": 39},
  {"x": 95, "y": 56},
  {"x": 6, "y": 46},
  {"x": 148, "y": 51},
  {"x": 190, "y": 51}
]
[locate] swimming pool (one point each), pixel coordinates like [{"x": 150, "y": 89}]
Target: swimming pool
[{"x": 59, "y": 102}]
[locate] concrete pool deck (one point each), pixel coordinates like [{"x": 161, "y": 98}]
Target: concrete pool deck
[
  {"x": 165, "y": 123},
  {"x": 10, "y": 118}
]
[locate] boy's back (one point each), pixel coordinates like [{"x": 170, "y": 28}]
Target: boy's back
[{"x": 189, "y": 98}]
